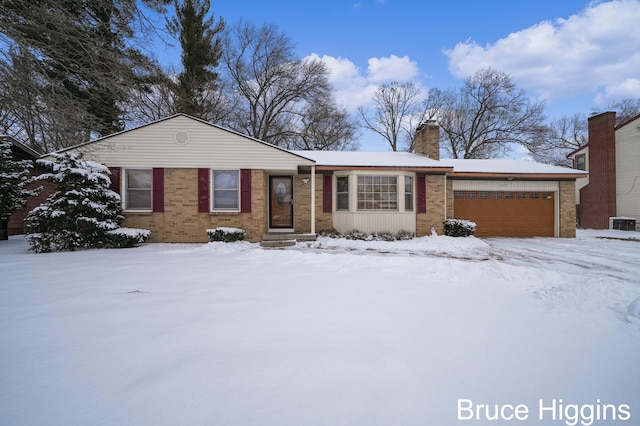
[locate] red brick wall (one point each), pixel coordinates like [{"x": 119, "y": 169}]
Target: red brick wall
[
  {"x": 598, "y": 198},
  {"x": 16, "y": 221}
]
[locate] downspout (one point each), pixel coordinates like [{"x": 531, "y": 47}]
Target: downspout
[{"x": 313, "y": 199}]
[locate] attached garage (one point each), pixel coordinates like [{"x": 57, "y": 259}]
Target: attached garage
[
  {"x": 508, "y": 198},
  {"x": 507, "y": 213}
]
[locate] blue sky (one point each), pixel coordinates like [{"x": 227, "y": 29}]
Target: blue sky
[{"x": 574, "y": 54}]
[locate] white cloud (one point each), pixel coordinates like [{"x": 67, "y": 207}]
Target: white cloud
[
  {"x": 392, "y": 68},
  {"x": 354, "y": 88},
  {"x": 596, "y": 51}
]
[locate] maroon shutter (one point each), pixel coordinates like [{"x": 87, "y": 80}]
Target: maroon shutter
[
  {"x": 158, "y": 190},
  {"x": 115, "y": 179},
  {"x": 245, "y": 190},
  {"x": 203, "y": 190},
  {"x": 327, "y": 193},
  {"x": 421, "y": 194}
]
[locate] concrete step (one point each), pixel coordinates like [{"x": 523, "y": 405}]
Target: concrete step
[
  {"x": 277, "y": 243},
  {"x": 274, "y": 236}
]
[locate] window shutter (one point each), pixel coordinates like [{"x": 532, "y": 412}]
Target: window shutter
[
  {"x": 245, "y": 190},
  {"x": 421, "y": 194},
  {"x": 327, "y": 193},
  {"x": 115, "y": 179},
  {"x": 158, "y": 190},
  {"x": 203, "y": 190}
]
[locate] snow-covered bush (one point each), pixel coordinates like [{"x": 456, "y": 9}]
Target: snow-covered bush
[
  {"x": 459, "y": 227},
  {"x": 127, "y": 237},
  {"x": 226, "y": 235},
  {"x": 13, "y": 181},
  {"x": 81, "y": 212},
  {"x": 379, "y": 236}
]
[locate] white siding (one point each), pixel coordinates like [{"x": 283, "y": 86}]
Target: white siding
[
  {"x": 628, "y": 171},
  {"x": 496, "y": 185},
  {"x": 162, "y": 144},
  {"x": 374, "y": 222}
]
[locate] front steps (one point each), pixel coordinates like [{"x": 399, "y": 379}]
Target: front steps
[{"x": 276, "y": 240}]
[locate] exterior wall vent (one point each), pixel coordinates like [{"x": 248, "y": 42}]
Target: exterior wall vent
[{"x": 182, "y": 138}]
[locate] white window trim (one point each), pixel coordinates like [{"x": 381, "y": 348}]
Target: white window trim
[
  {"x": 212, "y": 208},
  {"x": 353, "y": 191},
  {"x": 125, "y": 189}
]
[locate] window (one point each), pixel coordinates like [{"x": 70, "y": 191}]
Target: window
[
  {"x": 138, "y": 189},
  {"x": 496, "y": 195},
  {"x": 581, "y": 162},
  {"x": 508, "y": 195},
  {"x": 471, "y": 195},
  {"x": 377, "y": 193},
  {"x": 342, "y": 193},
  {"x": 546, "y": 195},
  {"x": 408, "y": 193},
  {"x": 226, "y": 190},
  {"x": 483, "y": 194},
  {"x": 458, "y": 194},
  {"x": 534, "y": 195},
  {"x": 522, "y": 195}
]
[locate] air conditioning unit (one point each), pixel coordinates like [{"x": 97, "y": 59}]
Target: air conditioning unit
[{"x": 622, "y": 223}]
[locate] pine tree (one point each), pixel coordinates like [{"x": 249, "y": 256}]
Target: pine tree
[
  {"x": 13, "y": 180},
  {"x": 80, "y": 213},
  {"x": 201, "y": 52}
]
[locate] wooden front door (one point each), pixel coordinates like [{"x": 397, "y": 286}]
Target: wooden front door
[{"x": 281, "y": 202}]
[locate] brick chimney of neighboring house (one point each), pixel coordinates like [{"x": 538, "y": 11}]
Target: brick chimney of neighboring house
[
  {"x": 427, "y": 139},
  {"x": 598, "y": 198}
]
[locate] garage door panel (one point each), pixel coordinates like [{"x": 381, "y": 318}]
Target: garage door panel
[{"x": 513, "y": 217}]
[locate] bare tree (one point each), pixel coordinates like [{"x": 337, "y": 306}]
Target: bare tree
[
  {"x": 486, "y": 116},
  {"x": 269, "y": 89},
  {"x": 626, "y": 109},
  {"x": 394, "y": 111},
  {"x": 564, "y": 135},
  {"x": 326, "y": 127}
]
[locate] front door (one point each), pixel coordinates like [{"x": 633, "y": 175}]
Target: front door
[{"x": 281, "y": 202}]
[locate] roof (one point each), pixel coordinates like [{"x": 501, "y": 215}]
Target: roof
[
  {"x": 369, "y": 159},
  {"x": 631, "y": 120},
  {"x": 511, "y": 167},
  {"x": 20, "y": 149}
]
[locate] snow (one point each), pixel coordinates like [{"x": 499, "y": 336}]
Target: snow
[
  {"x": 406, "y": 159},
  {"x": 336, "y": 331},
  {"x": 506, "y": 166},
  {"x": 370, "y": 159}
]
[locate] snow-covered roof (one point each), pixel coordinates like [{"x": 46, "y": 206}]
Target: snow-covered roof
[
  {"x": 407, "y": 159},
  {"x": 369, "y": 159},
  {"x": 506, "y": 167}
]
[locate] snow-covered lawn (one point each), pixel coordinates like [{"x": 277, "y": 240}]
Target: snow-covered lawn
[{"x": 335, "y": 332}]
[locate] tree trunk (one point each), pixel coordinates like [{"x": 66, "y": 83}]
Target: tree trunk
[{"x": 4, "y": 229}]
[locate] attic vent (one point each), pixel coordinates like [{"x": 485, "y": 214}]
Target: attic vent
[{"x": 182, "y": 138}]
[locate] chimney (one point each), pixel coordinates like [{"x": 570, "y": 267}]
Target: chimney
[{"x": 427, "y": 139}]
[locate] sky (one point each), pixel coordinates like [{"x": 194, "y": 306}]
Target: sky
[{"x": 574, "y": 54}]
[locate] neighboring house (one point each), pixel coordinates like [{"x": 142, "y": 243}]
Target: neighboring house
[
  {"x": 180, "y": 176},
  {"x": 22, "y": 152},
  {"x": 610, "y": 196}
]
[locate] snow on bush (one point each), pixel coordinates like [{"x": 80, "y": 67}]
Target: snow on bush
[
  {"x": 128, "y": 237},
  {"x": 81, "y": 212},
  {"x": 379, "y": 236},
  {"x": 459, "y": 227},
  {"x": 224, "y": 234}
]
